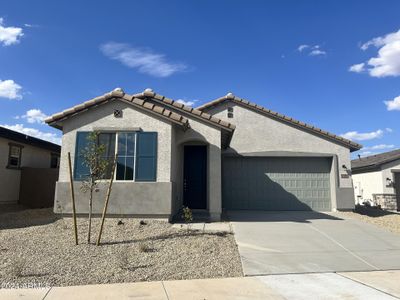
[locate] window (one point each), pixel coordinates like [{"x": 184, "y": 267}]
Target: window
[
  {"x": 146, "y": 158},
  {"x": 80, "y": 170},
  {"x": 54, "y": 160},
  {"x": 108, "y": 140},
  {"x": 14, "y": 156},
  {"x": 137, "y": 155},
  {"x": 126, "y": 155}
]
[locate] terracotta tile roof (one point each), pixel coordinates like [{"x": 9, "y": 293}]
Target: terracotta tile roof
[
  {"x": 374, "y": 161},
  {"x": 149, "y": 94},
  {"x": 118, "y": 94},
  {"x": 230, "y": 97}
]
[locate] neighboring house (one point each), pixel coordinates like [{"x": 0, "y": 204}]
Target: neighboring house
[
  {"x": 227, "y": 154},
  {"x": 377, "y": 179},
  {"x": 18, "y": 153}
]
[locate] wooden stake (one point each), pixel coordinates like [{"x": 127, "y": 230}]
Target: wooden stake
[
  {"x": 71, "y": 183},
  {"x": 106, "y": 201}
]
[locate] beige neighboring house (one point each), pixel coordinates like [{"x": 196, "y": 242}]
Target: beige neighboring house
[
  {"x": 377, "y": 179},
  {"x": 228, "y": 154},
  {"x": 25, "y": 159}
]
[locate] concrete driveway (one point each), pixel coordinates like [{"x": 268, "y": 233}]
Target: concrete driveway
[{"x": 308, "y": 242}]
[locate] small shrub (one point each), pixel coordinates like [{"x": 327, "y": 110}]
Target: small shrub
[
  {"x": 142, "y": 222},
  {"x": 187, "y": 216}
]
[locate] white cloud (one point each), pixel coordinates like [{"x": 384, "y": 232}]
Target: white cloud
[
  {"x": 357, "y": 68},
  {"x": 379, "y": 147},
  {"x": 31, "y": 25},
  {"x": 9, "y": 35},
  {"x": 388, "y": 129},
  {"x": 311, "y": 50},
  {"x": 33, "y": 116},
  {"x": 145, "y": 60},
  {"x": 47, "y": 136},
  {"x": 387, "y": 61},
  {"x": 358, "y": 136},
  {"x": 302, "y": 47},
  {"x": 393, "y": 104},
  {"x": 317, "y": 52},
  {"x": 10, "y": 90},
  {"x": 187, "y": 102}
]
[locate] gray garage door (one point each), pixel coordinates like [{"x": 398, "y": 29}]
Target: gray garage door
[{"x": 276, "y": 183}]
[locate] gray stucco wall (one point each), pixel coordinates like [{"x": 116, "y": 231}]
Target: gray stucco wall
[
  {"x": 257, "y": 133},
  {"x": 149, "y": 198},
  {"x": 10, "y": 178},
  {"x": 102, "y": 118},
  {"x": 139, "y": 198}
]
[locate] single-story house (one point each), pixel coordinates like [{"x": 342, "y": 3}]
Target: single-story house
[
  {"x": 227, "y": 154},
  {"x": 23, "y": 159},
  {"x": 377, "y": 179}
]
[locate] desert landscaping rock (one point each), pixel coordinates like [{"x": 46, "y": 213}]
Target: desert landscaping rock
[
  {"x": 385, "y": 219},
  {"x": 36, "y": 246}
]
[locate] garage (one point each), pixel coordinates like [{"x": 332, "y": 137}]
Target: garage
[{"x": 276, "y": 183}]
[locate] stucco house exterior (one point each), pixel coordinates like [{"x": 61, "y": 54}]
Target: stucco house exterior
[
  {"x": 227, "y": 154},
  {"x": 377, "y": 179},
  {"x": 18, "y": 153}
]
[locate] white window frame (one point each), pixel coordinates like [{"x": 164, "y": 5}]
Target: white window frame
[
  {"x": 134, "y": 156},
  {"x": 11, "y": 145}
]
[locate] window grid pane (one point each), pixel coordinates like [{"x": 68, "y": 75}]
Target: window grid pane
[
  {"x": 126, "y": 151},
  {"x": 80, "y": 169},
  {"x": 146, "y": 157},
  {"x": 108, "y": 140}
]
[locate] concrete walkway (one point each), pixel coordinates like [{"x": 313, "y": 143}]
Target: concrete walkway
[
  {"x": 305, "y": 242},
  {"x": 354, "y": 285},
  {"x": 207, "y": 227}
]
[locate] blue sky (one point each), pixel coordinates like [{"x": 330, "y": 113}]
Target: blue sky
[{"x": 332, "y": 64}]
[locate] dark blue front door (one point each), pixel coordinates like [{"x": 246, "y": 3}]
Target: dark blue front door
[{"x": 195, "y": 177}]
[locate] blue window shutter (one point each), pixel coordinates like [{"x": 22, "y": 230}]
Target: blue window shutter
[
  {"x": 146, "y": 156},
  {"x": 80, "y": 170}
]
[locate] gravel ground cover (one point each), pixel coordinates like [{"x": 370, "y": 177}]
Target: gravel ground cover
[
  {"x": 37, "y": 247},
  {"x": 388, "y": 220}
]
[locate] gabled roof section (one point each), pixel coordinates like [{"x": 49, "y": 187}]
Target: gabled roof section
[
  {"x": 118, "y": 94},
  {"x": 374, "y": 161},
  {"x": 195, "y": 113},
  {"x": 272, "y": 114},
  {"x": 28, "y": 140}
]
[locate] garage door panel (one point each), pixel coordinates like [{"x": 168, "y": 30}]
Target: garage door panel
[{"x": 276, "y": 183}]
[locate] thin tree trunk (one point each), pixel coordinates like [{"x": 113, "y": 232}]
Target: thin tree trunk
[{"x": 90, "y": 210}]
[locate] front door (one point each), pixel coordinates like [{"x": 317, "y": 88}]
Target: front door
[{"x": 195, "y": 177}]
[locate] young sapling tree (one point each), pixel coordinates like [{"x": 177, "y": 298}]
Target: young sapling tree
[{"x": 97, "y": 164}]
